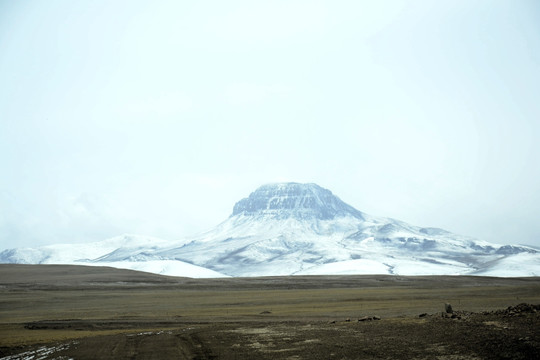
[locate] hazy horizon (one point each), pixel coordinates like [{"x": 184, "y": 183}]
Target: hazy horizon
[{"x": 155, "y": 118}]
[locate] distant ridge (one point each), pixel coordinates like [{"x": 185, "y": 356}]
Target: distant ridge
[{"x": 298, "y": 229}]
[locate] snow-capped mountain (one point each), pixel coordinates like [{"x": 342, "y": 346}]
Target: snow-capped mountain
[{"x": 291, "y": 228}]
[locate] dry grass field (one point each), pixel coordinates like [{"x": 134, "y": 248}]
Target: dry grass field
[{"x": 63, "y": 312}]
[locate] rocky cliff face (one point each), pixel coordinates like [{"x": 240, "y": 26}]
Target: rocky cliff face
[{"x": 293, "y": 200}]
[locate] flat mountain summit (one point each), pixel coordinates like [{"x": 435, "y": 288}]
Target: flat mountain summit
[
  {"x": 294, "y": 200},
  {"x": 298, "y": 229}
]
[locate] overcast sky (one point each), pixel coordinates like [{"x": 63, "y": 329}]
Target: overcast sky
[{"x": 155, "y": 117}]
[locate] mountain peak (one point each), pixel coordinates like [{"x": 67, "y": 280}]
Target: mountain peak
[{"x": 300, "y": 201}]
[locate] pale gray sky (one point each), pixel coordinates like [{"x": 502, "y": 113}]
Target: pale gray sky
[{"x": 155, "y": 117}]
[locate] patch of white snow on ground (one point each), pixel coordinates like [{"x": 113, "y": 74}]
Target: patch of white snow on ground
[
  {"x": 414, "y": 266},
  {"x": 518, "y": 265},
  {"x": 348, "y": 267},
  {"x": 41, "y": 353},
  {"x": 163, "y": 267}
]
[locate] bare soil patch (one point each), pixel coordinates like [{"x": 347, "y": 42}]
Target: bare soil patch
[{"x": 71, "y": 312}]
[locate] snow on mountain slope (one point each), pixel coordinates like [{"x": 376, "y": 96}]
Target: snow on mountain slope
[
  {"x": 291, "y": 228},
  {"x": 64, "y": 253},
  {"x": 90, "y": 254},
  {"x": 347, "y": 267},
  {"x": 163, "y": 267},
  {"x": 515, "y": 265}
]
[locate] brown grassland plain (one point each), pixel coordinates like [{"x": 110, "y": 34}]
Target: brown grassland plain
[{"x": 78, "y": 312}]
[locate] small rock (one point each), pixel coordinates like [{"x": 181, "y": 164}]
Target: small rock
[
  {"x": 422, "y": 315},
  {"x": 375, "y": 317},
  {"x": 348, "y": 319}
]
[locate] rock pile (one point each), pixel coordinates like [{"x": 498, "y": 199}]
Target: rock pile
[
  {"x": 370, "y": 318},
  {"x": 517, "y": 310},
  {"x": 458, "y": 315},
  {"x": 364, "y": 318}
]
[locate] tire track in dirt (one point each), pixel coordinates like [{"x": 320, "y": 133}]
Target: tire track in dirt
[{"x": 167, "y": 344}]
